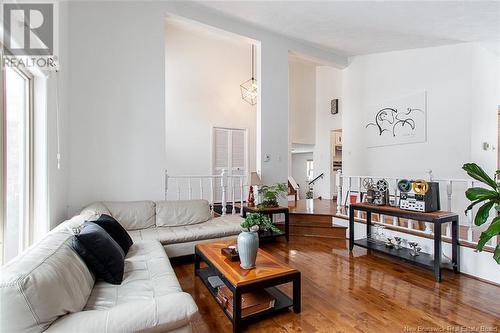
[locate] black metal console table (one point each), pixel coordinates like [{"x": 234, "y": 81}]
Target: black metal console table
[{"x": 424, "y": 259}]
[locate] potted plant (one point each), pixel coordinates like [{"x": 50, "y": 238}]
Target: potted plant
[
  {"x": 488, "y": 198},
  {"x": 248, "y": 239},
  {"x": 271, "y": 193}
]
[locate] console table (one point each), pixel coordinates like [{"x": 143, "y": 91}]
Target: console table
[
  {"x": 270, "y": 212},
  {"x": 424, "y": 259}
]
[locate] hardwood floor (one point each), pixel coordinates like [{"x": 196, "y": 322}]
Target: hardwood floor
[
  {"x": 319, "y": 207},
  {"x": 359, "y": 292}
]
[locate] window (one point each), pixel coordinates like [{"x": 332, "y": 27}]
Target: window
[
  {"x": 309, "y": 169},
  {"x": 16, "y": 162},
  {"x": 230, "y": 153}
]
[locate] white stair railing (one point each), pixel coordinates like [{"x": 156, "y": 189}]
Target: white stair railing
[
  {"x": 227, "y": 186},
  {"x": 448, "y": 188}
]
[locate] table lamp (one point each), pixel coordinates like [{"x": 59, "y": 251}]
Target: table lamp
[{"x": 254, "y": 180}]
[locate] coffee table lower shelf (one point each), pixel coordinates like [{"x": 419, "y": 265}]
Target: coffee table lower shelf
[{"x": 282, "y": 301}]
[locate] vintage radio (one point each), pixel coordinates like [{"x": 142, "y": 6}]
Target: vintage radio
[
  {"x": 376, "y": 193},
  {"x": 419, "y": 195}
]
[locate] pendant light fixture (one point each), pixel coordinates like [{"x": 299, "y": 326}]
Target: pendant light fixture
[{"x": 249, "y": 87}]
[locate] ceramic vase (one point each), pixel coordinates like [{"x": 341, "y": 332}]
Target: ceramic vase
[{"x": 248, "y": 243}]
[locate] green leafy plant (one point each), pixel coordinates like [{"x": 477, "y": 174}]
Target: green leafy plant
[
  {"x": 488, "y": 198},
  {"x": 257, "y": 221},
  {"x": 271, "y": 193},
  {"x": 309, "y": 193}
]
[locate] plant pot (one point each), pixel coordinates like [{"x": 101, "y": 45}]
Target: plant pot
[
  {"x": 248, "y": 244},
  {"x": 310, "y": 205}
]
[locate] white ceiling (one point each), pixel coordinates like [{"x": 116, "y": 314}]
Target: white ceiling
[{"x": 362, "y": 27}]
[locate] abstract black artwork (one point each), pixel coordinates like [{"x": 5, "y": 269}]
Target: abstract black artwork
[
  {"x": 397, "y": 122},
  {"x": 389, "y": 119}
]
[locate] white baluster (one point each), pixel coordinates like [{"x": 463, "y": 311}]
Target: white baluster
[
  {"x": 338, "y": 181},
  {"x": 395, "y": 219},
  {"x": 470, "y": 234},
  {"x": 201, "y": 188},
  {"x": 494, "y": 241},
  {"x": 470, "y": 217},
  {"x": 212, "y": 193},
  {"x": 410, "y": 224},
  {"x": 430, "y": 178},
  {"x": 241, "y": 196},
  {"x": 233, "y": 188},
  {"x": 449, "y": 192},
  {"x": 166, "y": 184},
  {"x": 178, "y": 190},
  {"x": 359, "y": 195},
  {"x": 349, "y": 189},
  {"x": 428, "y": 228},
  {"x": 190, "y": 189},
  {"x": 223, "y": 182}
]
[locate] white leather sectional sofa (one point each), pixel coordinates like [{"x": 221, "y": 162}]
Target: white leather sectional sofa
[
  {"x": 49, "y": 287},
  {"x": 178, "y": 225}
]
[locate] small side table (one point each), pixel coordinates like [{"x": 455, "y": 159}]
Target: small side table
[{"x": 270, "y": 212}]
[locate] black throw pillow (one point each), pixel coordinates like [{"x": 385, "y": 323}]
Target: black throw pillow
[
  {"x": 102, "y": 255},
  {"x": 116, "y": 231}
]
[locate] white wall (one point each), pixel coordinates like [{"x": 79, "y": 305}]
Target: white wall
[
  {"x": 459, "y": 115},
  {"x": 301, "y": 101},
  {"x": 204, "y": 71},
  {"x": 462, "y": 96},
  {"x": 117, "y": 103},
  {"x": 299, "y": 171},
  {"x": 58, "y": 179},
  {"x": 329, "y": 82},
  {"x": 485, "y": 101}
]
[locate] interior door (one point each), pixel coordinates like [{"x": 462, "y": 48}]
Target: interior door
[{"x": 230, "y": 154}]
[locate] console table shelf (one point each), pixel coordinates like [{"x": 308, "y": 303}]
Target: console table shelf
[{"x": 424, "y": 259}]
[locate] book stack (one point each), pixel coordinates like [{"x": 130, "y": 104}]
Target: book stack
[{"x": 251, "y": 303}]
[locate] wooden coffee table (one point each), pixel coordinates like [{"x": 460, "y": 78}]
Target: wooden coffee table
[{"x": 267, "y": 274}]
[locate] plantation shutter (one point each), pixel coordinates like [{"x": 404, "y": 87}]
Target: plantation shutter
[{"x": 230, "y": 153}]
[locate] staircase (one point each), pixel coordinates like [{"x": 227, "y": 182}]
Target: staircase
[{"x": 314, "y": 218}]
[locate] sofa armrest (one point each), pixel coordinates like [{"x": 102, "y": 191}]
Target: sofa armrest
[{"x": 161, "y": 314}]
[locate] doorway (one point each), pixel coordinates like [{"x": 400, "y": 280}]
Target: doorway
[{"x": 335, "y": 159}]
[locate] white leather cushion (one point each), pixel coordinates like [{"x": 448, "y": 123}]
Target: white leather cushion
[
  {"x": 48, "y": 280},
  {"x": 95, "y": 208},
  {"x": 217, "y": 227},
  {"x": 182, "y": 212},
  {"x": 73, "y": 225},
  {"x": 148, "y": 274},
  {"x": 133, "y": 215},
  {"x": 149, "y": 299},
  {"x": 168, "y": 313}
]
